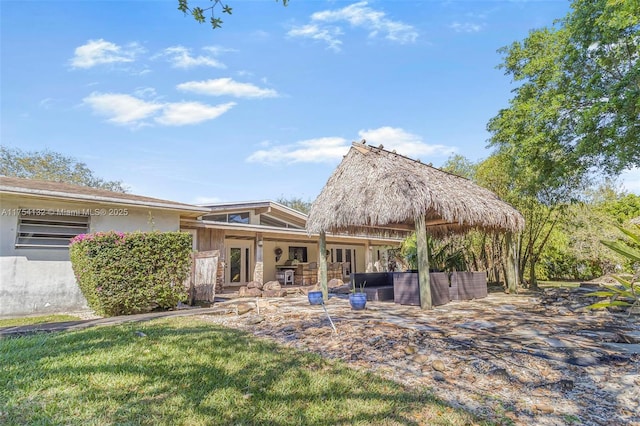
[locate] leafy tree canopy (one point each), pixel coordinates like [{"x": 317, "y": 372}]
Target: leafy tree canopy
[
  {"x": 577, "y": 105},
  {"x": 460, "y": 165},
  {"x": 198, "y": 12},
  {"x": 296, "y": 203},
  {"x": 48, "y": 165}
]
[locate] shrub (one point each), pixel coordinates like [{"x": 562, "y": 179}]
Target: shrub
[
  {"x": 131, "y": 273},
  {"x": 627, "y": 292}
]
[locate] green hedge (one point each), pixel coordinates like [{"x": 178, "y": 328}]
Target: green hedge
[{"x": 127, "y": 273}]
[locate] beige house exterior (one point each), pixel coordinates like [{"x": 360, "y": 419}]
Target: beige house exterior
[
  {"x": 259, "y": 240},
  {"x": 37, "y": 219}
]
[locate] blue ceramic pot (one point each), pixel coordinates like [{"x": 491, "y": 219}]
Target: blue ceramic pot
[
  {"x": 358, "y": 300},
  {"x": 315, "y": 297}
]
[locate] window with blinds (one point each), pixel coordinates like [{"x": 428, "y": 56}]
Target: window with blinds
[{"x": 49, "y": 230}]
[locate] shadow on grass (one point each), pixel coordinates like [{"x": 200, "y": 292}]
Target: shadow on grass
[{"x": 181, "y": 371}]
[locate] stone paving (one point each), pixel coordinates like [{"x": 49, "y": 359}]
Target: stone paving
[{"x": 515, "y": 359}]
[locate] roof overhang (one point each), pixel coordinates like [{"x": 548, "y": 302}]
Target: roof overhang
[
  {"x": 261, "y": 207},
  {"x": 272, "y": 232},
  {"x": 183, "y": 209}
]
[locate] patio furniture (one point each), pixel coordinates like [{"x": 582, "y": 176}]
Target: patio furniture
[
  {"x": 380, "y": 294},
  {"x": 378, "y": 286},
  {"x": 470, "y": 285},
  {"x": 406, "y": 288},
  {"x": 289, "y": 276}
]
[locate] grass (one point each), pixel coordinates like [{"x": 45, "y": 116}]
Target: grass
[
  {"x": 185, "y": 371},
  {"x": 14, "y": 322},
  {"x": 559, "y": 283}
]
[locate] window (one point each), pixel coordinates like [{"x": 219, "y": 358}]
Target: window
[
  {"x": 242, "y": 217},
  {"x": 298, "y": 253},
  {"x": 238, "y": 217},
  {"x": 216, "y": 217},
  {"x": 49, "y": 230},
  {"x": 270, "y": 221}
]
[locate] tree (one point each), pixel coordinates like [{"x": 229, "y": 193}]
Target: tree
[
  {"x": 575, "y": 110},
  {"x": 578, "y": 102},
  {"x": 540, "y": 193},
  {"x": 296, "y": 203},
  {"x": 460, "y": 165},
  {"x": 198, "y": 12},
  {"x": 602, "y": 69},
  {"x": 48, "y": 165}
]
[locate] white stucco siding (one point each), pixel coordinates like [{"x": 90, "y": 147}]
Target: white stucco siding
[
  {"x": 41, "y": 280},
  {"x": 30, "y": 287}
]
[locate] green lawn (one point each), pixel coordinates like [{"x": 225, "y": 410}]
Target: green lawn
[
  {"x": 558, "y": 283},
  {"x": 185, "y": 371},
  {"x": 14, "y": 322}
]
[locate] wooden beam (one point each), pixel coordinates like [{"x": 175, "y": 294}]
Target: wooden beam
[
  {"x": 435, "y": 222},
  {"x": 423, "y": 263},
  {"x": 368, "y": 264},
  {"x": 360, "y": 147},
  {"x": 261, "y": 210}
]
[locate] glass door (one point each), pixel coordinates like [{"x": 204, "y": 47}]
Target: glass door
[
  {"x": 239, "y": 261},
  {"x": 347, "y": 257}
]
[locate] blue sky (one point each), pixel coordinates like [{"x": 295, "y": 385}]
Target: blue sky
[{"x": 264, "y": 107}]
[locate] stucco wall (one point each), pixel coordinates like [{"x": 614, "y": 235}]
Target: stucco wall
[{"x": 37, "y": 281}]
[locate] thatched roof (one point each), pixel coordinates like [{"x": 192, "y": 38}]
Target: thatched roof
[{"x": 374, "y": 188}]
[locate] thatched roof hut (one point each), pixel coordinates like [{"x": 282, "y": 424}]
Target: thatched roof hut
[
  {"x": 373, "y": 188},
  {"x": 376, "y": 191}
]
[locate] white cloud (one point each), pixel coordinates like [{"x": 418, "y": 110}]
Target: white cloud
[
  {"x": 227, "y": 87},
  {"x": 403, "y": 142},
  {"x": 203, "y": 200},
  {"x": 97, "y": 52},
  {"x": 327, "y": 34},
  {"x": 121, "y": 108},
  {"x": 127, "y": 110},
  {"x": 332, "y": 149},
  {"x": 319, "y": 150},
  {"x": 145, "y": 92},
  {"x": 357, "y": 15},
  {"x": 182, "y": 113},
  {"x": 466, "y": 27},
  {"x": 180, "y": 57},
  {"x": 216, "y": 50},
  {"x": 46, "y": 103}
]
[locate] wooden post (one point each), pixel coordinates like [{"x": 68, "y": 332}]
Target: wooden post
[
  {"x": 511, "y": 275},
  {"x": 368, "y": 264},
  {"x": 322, "y": 269},
  {"x": 423, "y": 263},
  {"x": 192, "y": 279},
  {"x": 258, "y": 270}
]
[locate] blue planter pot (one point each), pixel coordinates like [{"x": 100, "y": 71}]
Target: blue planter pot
[
  {"x": 315, "y": 297},
  {"x": 358, "y": 301}
]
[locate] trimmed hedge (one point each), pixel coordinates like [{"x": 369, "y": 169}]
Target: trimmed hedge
[{"x": 128, "y": 273}]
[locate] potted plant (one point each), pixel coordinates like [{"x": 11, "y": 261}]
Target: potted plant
[
  {"x": 358, "y": 299},
  {"x": 315, "y": 298}
]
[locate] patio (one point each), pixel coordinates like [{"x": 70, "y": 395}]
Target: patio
[{"x": 528, "y": 359}]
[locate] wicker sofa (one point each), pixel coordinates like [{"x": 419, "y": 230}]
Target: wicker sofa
[{"x": 404, "y": 288}]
